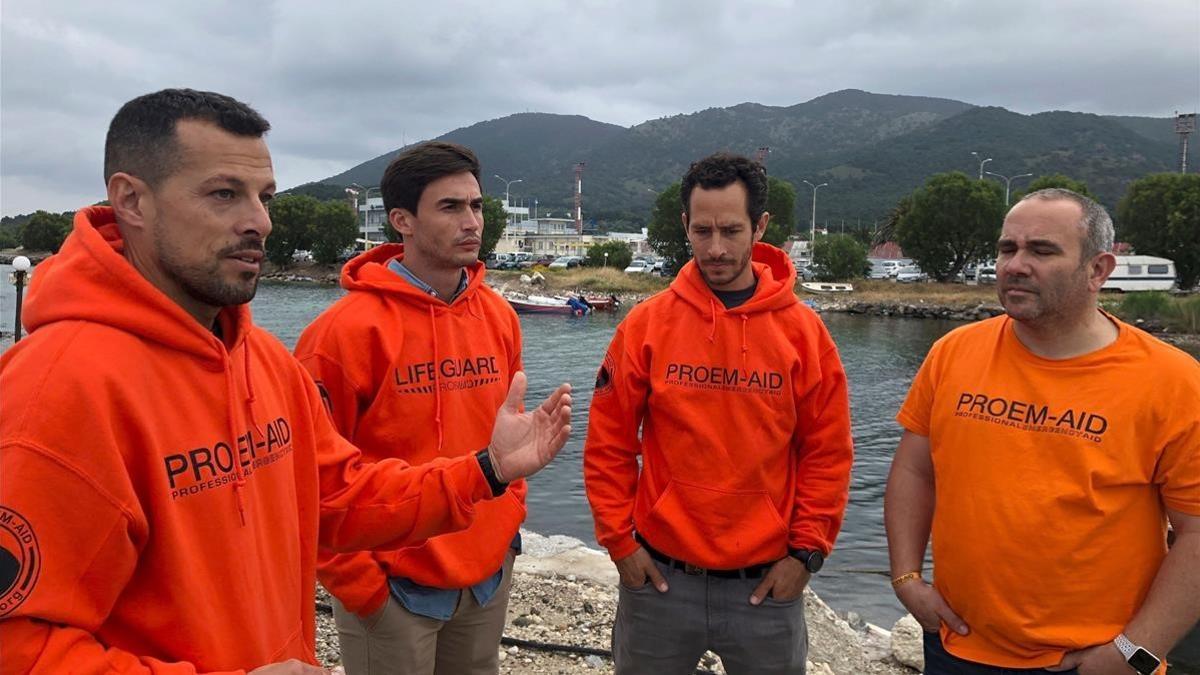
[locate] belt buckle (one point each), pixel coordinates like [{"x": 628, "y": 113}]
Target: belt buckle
[{"x": 692, "y": 570}]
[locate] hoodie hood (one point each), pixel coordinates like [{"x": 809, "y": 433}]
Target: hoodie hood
[
  {"x": 772, "y": 268},
  {"x": 775, "y": 275},
  {"x": 368, "y": 271},
  {"x": 89, "y": 279}
]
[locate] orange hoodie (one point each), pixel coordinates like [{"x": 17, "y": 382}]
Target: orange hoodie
[
  {"x": 745, "y": 425},
  {"x": 409, "y": 376},
  {"x": 162, "y": 488}
]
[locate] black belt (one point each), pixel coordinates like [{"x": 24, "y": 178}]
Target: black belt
[{"x": 751, "y": 572}]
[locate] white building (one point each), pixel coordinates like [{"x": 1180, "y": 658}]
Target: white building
[
  {"x": 372, "y": 220},
  {"x": 638, "y": 242}
]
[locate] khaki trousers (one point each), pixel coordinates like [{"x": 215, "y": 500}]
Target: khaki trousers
[{"x": 394, "y": 641}]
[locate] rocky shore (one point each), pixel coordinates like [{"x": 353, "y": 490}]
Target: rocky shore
[{"x": 561, "y": 609}]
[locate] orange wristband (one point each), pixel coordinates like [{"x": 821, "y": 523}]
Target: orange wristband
[{"x": 905, "y": 578}]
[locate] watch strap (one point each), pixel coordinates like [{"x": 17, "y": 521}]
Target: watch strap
[{"x": 1124, "y": 646}]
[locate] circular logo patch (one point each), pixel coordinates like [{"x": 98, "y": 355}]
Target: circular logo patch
[{"x": 20, "y": 560}]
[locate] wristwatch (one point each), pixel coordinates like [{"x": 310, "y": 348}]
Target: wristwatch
[
  {"x": 813, "y": 560},
  {"x": 1138, "y": 657}
]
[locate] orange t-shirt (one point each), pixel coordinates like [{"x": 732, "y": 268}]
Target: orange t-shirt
[{"x": 1051, "y": 480}]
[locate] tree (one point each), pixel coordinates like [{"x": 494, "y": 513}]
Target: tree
[
  {"x": 839, "y": 256},
  {"x": 292, "y": 220},
  {"x": 952, "y": 221},
  {"x": 665, "y": 231},
  {"x": 1160, "y": 215},
  {"x": 781, "y": 204},
  {"x": 334, "y": 230},
  {"x": 494, "y": 221},
  {"x": 1057, "y": 180},
  {"x": 619, "y": 255},
  {"x": 45, "y": 232}
]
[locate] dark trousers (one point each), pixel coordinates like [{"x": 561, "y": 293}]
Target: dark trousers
[
  {"x": 667, "y": 633},
  {"x": 938, "y": 661}
]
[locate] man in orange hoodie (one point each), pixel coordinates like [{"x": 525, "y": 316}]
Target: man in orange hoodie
[
  {"x": 1045, "y": 451},
  {"x": 169, "y": 470},
  {"x": 414, "y": 362},
  {"x": 740, "y": 399}
]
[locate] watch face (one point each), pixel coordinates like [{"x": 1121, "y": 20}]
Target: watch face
[
  {"x": 1144, "y": 662},
  {"x": 815, "y": 562}
]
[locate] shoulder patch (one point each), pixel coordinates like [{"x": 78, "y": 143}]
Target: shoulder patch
[
  {"x": 20, "y": 560},
  {"x": 605, "y": 374}
]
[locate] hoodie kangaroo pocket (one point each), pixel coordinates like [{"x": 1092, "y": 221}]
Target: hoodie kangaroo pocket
[{"x": 715, "y": 528}]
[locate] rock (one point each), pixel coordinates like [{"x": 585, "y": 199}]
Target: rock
[
  {"x": 594, "y": 661},
  {"x": 819, "y": 669},
  {"x": 854, "y": 620},
  {"x": 589, "y": 607},
  {"x": 908, "y": 642}
]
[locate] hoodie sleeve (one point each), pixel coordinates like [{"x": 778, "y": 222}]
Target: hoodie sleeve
[
  {"x": 824, "y": 444},
  {"x": 389, "y": 503},
  {"x": 88, "y": 542},
  {"x": 610, "y": 464}
]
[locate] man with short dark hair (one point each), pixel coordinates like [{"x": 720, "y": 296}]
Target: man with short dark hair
[
  {"x": 169, "y": 470},
  {"x": 414, "y": 360},
  {"x": 743, "y": 429},
  {"x": 1045, "y": 452}
]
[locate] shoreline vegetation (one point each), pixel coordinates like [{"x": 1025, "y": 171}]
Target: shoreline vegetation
[
  {"x": 1172, "y": 317},
  {"x": 1169, "y": 316}
]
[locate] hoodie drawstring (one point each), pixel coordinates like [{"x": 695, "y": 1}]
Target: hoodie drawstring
[
  {"x": 745, "y": 345},
  {"x": 712, "y": 306},
  {"x": 239, "y": 478},
  {"x": 437, "y": 382}
]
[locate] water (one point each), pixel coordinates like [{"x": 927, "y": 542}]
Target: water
[{"x": 881, "y": 356}]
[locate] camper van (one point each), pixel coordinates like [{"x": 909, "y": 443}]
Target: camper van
[{"x": 1141, "y": 273}]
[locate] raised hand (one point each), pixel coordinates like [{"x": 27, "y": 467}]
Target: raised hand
[{"x": 523, "y": 443}]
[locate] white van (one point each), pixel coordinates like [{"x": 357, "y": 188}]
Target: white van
[{"x": 1141, "y": 273}]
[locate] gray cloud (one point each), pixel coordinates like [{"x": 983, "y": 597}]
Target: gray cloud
[{"x": 344, "y": 82}]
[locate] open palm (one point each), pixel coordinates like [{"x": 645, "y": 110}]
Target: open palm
[{"x": 524, "y": 442}]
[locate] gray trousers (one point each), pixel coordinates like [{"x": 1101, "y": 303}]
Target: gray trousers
[{"x": 667, "y": 633}]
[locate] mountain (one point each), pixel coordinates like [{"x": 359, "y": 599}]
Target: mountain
[{"x": 871, "y": 148}]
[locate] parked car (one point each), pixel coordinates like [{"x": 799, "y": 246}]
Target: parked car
[
  {"x": 566, "y": 262},
  {"x": 987, "y": 273},
  {"x": 640, "y": 266},
  {"x": 911, "y": 274},
  {"x": 496, "y": 261}
]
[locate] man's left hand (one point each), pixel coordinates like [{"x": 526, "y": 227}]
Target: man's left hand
[
  {"x": 1103, "y": 659},
  {"x": 784, "y": 581}
]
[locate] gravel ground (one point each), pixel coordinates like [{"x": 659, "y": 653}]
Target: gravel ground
[{"x": 575, "y": 611}]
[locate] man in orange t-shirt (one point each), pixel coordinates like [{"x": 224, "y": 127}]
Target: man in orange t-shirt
[{"x": 1047, "y": 449}]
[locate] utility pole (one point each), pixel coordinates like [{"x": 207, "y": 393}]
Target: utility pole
[
  {"x": 981, "y": 163},
  {"x": 1008, "y": 182},
  {"x": 813, "y": 235},
  {"x": 1185, "y": 124}
]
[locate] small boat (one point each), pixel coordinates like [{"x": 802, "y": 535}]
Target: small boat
[
  {"x": 826, "y": 287},
  {"x": 541, "y": 304},
  {"x": 598, "y": 303}
]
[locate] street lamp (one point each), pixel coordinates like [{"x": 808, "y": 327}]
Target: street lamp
[
  {"x": 1008, "y": 182},
  {"x": 981, "y": 163},
  {"x": 813, "y": 236},
  {"x": 21, "y": 267},
  {"x": 506, "y": 184},
  {"x": 606, "y": 258}
]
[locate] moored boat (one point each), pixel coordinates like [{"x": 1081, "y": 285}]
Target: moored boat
[{"x": 826, "y": 287}]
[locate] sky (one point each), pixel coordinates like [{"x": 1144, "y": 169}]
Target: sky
[{"x": 343, "y": 82}]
